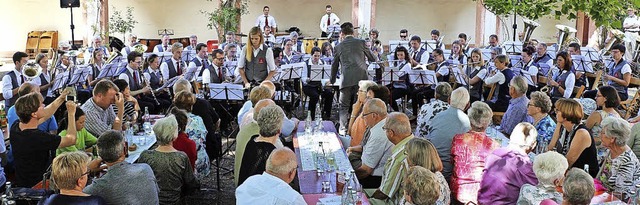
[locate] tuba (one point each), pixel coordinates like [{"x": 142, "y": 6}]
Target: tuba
[
  {"x": 529, "y": 26},
  {"x": 140, "y": 48},
  {"x": 31, "y": 71},
  {"x": 563, "y": 36},
  {"x": 113, "y": 56}
]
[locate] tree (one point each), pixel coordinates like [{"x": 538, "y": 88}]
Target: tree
[
  {"x": 227, "y": 16},
  {"x": 531, "y": 9},
  {"x": 119, "y": 24}
]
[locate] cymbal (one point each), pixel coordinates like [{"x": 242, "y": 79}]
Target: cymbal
[{"x": 241, "y": 34}]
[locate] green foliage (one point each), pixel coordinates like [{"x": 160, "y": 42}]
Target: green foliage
[
  {"x": 226, "y": 17},
  {"x": 531, "y": 9},
  {"x": 120, "y": 24}
]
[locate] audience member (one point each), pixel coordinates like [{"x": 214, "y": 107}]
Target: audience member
[
  {"x": 507, "y": 169},
  {"x": 468, "y": 154},
  {"x": 620, "y": 171},
  {"x": 100, "y": 114},
  {"x": 606, "y": 98},
  {"x": 517, "y": 110},
  {"x": 634, "y": 139},
  {"x": 549, "y": 168},
  {"x": 84, "y": 139},
  {"x": 421, "y": 187},
  {"x": 257, "y": 93},
  {"x": 170, "y": 166},
  {"x": 430, "y": 110},
  {"x": 571, "y": 137},
  {"x": 578, "y": 187},
  {"x": 32, "y": 148},
  {"x": 183, "y": 143},
  {"x": 195, "y": 130},
  {"x": 260, "y": 146},
  {"x": 131, "y": 107},
  {"x": 421, "y": 153},
  {"x": 398, "y": 130},
  {"x": 47, "y": 122},
  {"x": 356, "y": 123},
  {"x": 124, "y": 183},
  {"x": 375, "y": 148},
  {"x": 539, "y": 108},
  {"x": 447, "y": 124},
  {"x": 272, "y": 186},
  {"x": 70, "y": 173}
]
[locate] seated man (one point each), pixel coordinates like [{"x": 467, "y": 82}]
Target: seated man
[
  {"x": 124, "y": 183},
  {"x": 398, "y": 130},
  {"x": 447, "y": 124},
  {"x": 517, "y": 111},
  {"x": 507, "y": 169},
  {"x": 375, "y": 148},
  {"x": 32, "y": 147},
  {"x": 98, "y": 109},
  {"x": 500, "y": 79},
  {"x": 203, "y": 109},
  {"x": 272, "y": 186}
]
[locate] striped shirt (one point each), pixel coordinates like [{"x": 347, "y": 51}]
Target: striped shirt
[
  {"x": 394, "y": 171},
  {"x": 129, "y": 110},
  {"x": 98, "y": 120},
  {"x": 620, "y": 174}
]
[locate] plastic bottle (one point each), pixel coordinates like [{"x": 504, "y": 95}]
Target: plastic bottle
[
  {"x": 147, "y": 122},
  {"x": 307, "y": 124}
]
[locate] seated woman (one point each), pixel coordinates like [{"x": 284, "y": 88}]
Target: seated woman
[
  {"x": 564, "y": 82},
  {"x": 183, "y": 143},
  {"x": 577, "y": 144},
  {"x": 401, "y": 88},
  {"x": 84, "y": 139},
  {"x": 469, "y": 152},
  {"x": 260, "y": 146},
  {"x": 549, "y": 168},
  {"x": 621, "y": 168},
  {"x": 430, "y": 110},
  {"x": 421, "y": 187},
  {"x": 69, "y": 171},
  {"x": 131, "y": 107},
  {"x": 195, "y": 130},
  {"x": 421, "y": 153},
  {"x": 477, "y": 72},
  {"x": 608, "y": 99},
  {"x": 170, "y": 166},
  {"x": 356, "y": 123},
  {"x": 538, "y": 109}
]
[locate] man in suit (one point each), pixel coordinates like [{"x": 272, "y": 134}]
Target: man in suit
[{"x": 350, "y": 55}]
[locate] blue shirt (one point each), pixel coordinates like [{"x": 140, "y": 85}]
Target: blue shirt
[
  {"x": 545, "y": 127},
  {"x": 47, "y": 126},
  {"x": 516, "y": 113}
]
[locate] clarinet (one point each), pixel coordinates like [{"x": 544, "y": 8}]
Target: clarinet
[{"x": 153, "y": 94}]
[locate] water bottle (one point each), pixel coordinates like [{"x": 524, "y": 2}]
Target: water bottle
[
  {"x": 8, "y": 192},
  {"x": 586, "y": 168},
  {"x": 307, "y": 124},
  {"x": 147, "y": 122},
  {"x": 347, "y": 197},
  {"x": 345, "y": 192}
]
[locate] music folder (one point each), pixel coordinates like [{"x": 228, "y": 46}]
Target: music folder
[
  {"x": 226, "y": 91},
  {"x": 422, "y": 77}
]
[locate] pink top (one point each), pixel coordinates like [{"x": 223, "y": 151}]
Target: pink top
[{"x": 469, "y": 151}]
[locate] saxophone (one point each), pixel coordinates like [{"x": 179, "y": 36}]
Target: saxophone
[{"x": 547, "y": 88}]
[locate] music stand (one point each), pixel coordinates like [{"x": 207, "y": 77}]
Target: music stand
[
  {"x": 422, "y": 77},
  {"x": 58, "y": 83},
  {"x": 291, "y": 71},
  {"x": 297, "y": 58},
  {"x": 188, "y": 55},
  {"x": 328, "y": 60},
  {"x": 486, "y": 54},
  {"x": 516, "y": 62},
  {"x": 446, "y": 53},
  {"x": 109, "y": 70},
  {"x": 164, "y": 56},
  {"x": 320, "y": 72},
  {"x": 168, "y": 84},
  {"x": 190, "y": 75},
  {"x": 372, "y": 75},
  {"x": 591, "y": 54},
  {"x": 391, "y": 75},
  {"x": 395, "y": 43},
  {"x": 227, "y": 92},
  {"x": 460, "y": 78},
  {"x": 430, "y": 45},
  {"x": 334, "y": 31},
  {"x": 513, "y": 47},
  {"x": 80, "y": 75}
]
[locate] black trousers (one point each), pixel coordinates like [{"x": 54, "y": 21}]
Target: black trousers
[
  {"x": 419, "y": 95},
  {"x": 497, "y": 106},
  {"x": 397, "y": 93},
  {"x": 314, "y": 96}
]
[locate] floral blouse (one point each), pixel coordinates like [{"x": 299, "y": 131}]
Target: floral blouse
[
  {"x": 533, "y": 195},
  {"x": 198, "y": 133},
  {"x": 545, "y": 127},
  {"x": 427, "y": 113},
  {"x": 469, "y": 151},
  {"x": 620, "y": 174}
]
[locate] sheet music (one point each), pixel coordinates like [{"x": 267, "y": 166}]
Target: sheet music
[
  {"x": 169, "y": 83},
  {"x": 60, "y": 81},
  {"x": 292, "y": 70},
  {"x": 591, "y": 54},
  {"x": 320, "y": 72},
  {"x": 164, "y": 56},
  {"x": 422, "y": 77},
  {"x": 430, "y": 45},
  {"x": 395, "y": 43},
  {"x": 516, "y": 62},
  {"x": 446, "y": 53},
  {"x": 80, "y": 74},
  {"x": 226, "y": 91},
  {"x": 459, "y": 76},
  {"x": 513, "y": 47},
  {"x": 580, "y": 63},
  {"x": 109, "y": 70},
  {"x": 188, "y": 55},
  {"x": 191, "y": 73},
  {"x": 486, "y": 54},
  {"x": 391, "y": 75}
]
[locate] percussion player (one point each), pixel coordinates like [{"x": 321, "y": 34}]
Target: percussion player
[
  {"x": 327, "y": 20},
  {"x": 256, "y": 62},
  {"x": 266, "y": 20},
  {"x": 631, "y": 26}
]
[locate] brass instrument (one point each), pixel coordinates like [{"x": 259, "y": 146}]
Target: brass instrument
[
  {"x": 547, "y": 88},
  {"x": 529, "y": 26},
  {"x": 439, "y": 42},
  {"x": 31, "y": 71},
  {"x": 140, "y": 48},
  {"x": 563, "y": 36}
]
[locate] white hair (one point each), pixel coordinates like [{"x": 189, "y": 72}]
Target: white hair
[
  {"x": 97, "y": 37},
  {"x": 480, "y": 115},
  {"x": 181, "y": 85},
  {"x": 377, "y": 106},
  {"x": 616, "y": 128},
  {"x": 523, "y": 135},
  {"x": 578, "y": 187},
  {"x": 550, "y": 166},
  {"x": 365, "y": 84},
  {"x": 281, "y": 161},
  {"x": 519, "y": 84},
  {"x": 459, "y": 98},
  {"x": 166, "y": 130}
]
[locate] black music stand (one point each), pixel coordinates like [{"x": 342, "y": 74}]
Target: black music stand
[
  {"x": 592, "y": 54},
  {"x": 58, "y": 82},
  {"x": 80, "y": 76},
  {"x": 190, "y": 75},
  {"x": 164, "y": 56},
  {"x": 188, "y": 55},
  {"x": 391, "y": 75},
  {"x": 393, "y": 44},
  {"x": 430, "y": 45},
  {"x": 109, "y": 70},
  {"x": 422, "y": 77},
  {"x": 513, "y": 47},
  {"x": 320, "y": 72}
]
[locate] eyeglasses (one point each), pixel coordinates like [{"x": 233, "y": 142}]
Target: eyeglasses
[
  {"x": 364, "y": 115},
  {"x": 530, "y": 104},
  {"x": 401, "y": 36}
]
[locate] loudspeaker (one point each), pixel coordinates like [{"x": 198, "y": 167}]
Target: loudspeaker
[{"x": 69, "y": 3}]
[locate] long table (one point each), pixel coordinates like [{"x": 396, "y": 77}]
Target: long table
[{"x": 310, "y": 182}]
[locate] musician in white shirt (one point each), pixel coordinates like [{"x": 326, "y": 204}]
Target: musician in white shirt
[
  {"x": 133, "y": 40},
  {"x": 404, "y": 35},
  {"x": 193, "y": 42},
  {"x": 164, "y": 46},
  {"x": 217, "y": 69},
  {"x": 417, "y": 55},
  {"x": 177, "y": 67},
  {"x": 327, "y": 20},
  {"x": 631, "y": 22},
  {"x": 269, "y": 38},
  {"x": 528, "y": 70},
  {"x": 435, "y": 35},
  {"x": 493, "y": 42},
  {"x": 266, "y": 20},
  {"x": 199, "y": 68}
]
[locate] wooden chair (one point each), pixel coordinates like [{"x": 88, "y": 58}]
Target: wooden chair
[
  {"x": 497, "y": 117},
  {"x": 32, "y": 43},
  {"x": 48, "y": 40},
  {"x": 493, "y": 89},
  {"x": 631, "y": 106},
  {"x": 578, "y": 91},
  {"x": 596, "y": 82}
]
